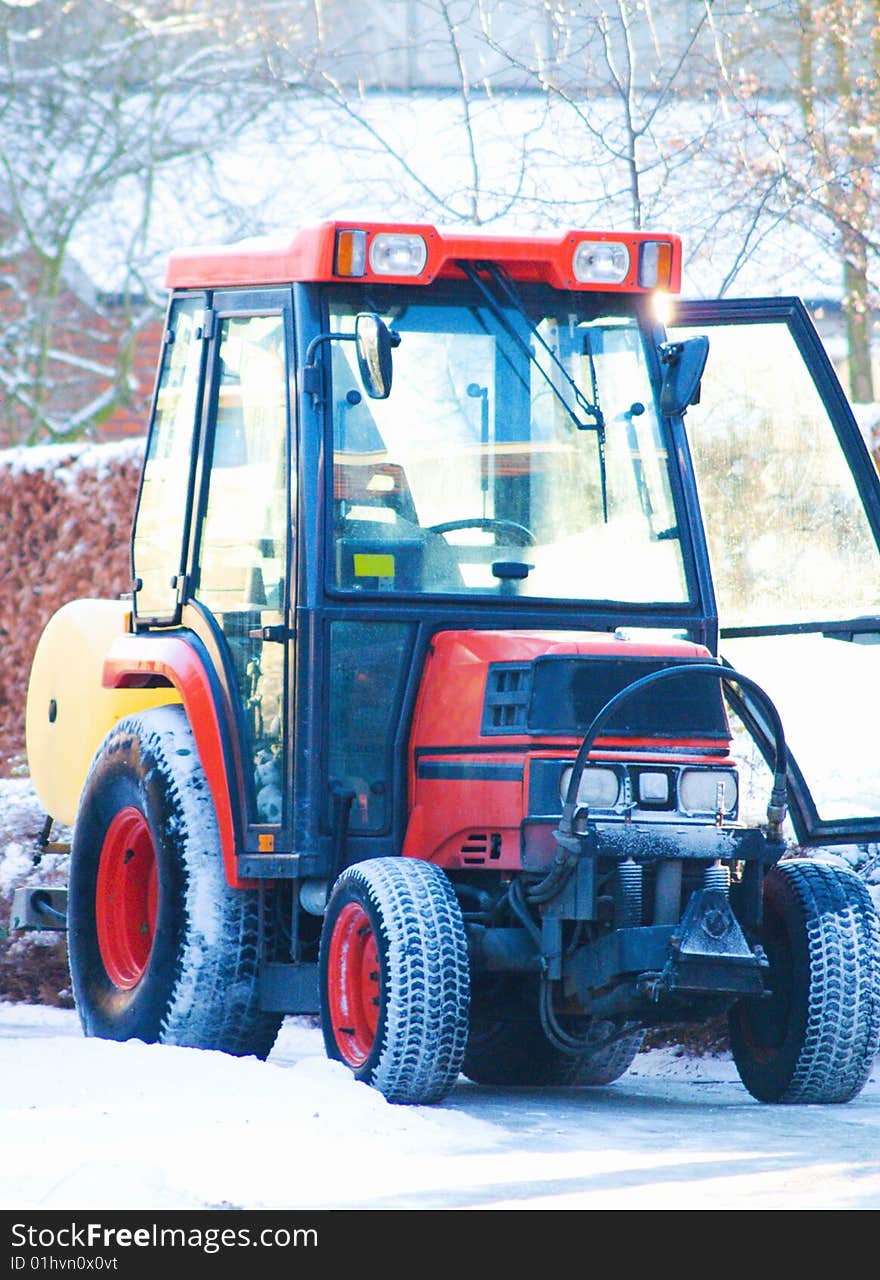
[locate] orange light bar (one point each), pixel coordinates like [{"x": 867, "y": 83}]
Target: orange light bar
[{"x": 335, "y": 251}]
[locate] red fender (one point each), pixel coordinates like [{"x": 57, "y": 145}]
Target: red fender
[{"x": 132, "y": 662}]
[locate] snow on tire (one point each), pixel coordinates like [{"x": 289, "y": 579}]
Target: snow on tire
[
  {"x": 394, "y": 978},
  {"x": 816, "y": 1037},
  {"x": 161, "y": 949}
]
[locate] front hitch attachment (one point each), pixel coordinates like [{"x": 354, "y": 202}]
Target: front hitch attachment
[
  {"x": 709, "y": 954},
  {"x": 710, "y": 951}
]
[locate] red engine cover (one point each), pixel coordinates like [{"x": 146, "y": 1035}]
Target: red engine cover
[{"x": 468, "y": 788}]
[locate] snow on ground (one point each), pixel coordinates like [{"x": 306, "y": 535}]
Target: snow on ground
[{"x": 88, "y": 1124}]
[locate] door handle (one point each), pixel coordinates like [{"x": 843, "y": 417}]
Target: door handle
[{"x": 271, "y": 635}]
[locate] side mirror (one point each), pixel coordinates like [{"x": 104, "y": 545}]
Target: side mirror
[
  {"x": 374, "y": 341},
  {"x": 683, "y": 365}
]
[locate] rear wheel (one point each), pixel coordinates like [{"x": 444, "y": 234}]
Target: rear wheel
[
  {"x": 507, "y": 1045},
  {"x": 395, "y": 978},
  {"x": 816, "y": 1037},
  {"x": 161, "y": 949},
  {"x": 127, "y": 897}
]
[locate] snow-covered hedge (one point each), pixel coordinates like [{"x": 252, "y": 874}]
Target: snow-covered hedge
[{"x": 65, "y": 523}]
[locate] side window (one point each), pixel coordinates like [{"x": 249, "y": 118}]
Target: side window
[
  {"x": 161, "y": 513},
  {"x": 243, "y": 571}
]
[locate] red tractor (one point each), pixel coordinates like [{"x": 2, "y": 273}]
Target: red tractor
[{"x": 426, "y": 708}]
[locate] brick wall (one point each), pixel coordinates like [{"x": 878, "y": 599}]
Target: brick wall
[
  {"x": 89, "y": 331},
  {"x": 86, "y": 344},
  {"x": 131, "y": 420}
]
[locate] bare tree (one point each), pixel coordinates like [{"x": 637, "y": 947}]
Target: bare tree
[
  {"x": 806, "y": 79},
  {"x": 553, "y": 114},
  {"x": 97, "y": 99},
  {"x": 722, "y": 121},
  {"x": 429, "y": 58}
]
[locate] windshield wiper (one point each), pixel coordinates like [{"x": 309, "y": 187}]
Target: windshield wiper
[{"x": 503, "y": 282}]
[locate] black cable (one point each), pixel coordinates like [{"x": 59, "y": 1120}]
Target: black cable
[
  {"x": 777, "y": 804},
  {"x": 42, "y": 906},
  {"x": 574, "y": 1046},
  {"x": 568, "y": 852},
  {"x": 521, "y": 911}
]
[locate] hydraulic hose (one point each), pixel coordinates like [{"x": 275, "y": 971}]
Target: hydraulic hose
[
  {"x": 573, "y": 1045},
  {"x": 565, "y": 859},
  {"x": 42, "y": 906}
]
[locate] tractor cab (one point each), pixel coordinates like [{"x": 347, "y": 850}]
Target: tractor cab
[
  {"x": 478, "y": 589},
  {"x": 514, "y": 469}
]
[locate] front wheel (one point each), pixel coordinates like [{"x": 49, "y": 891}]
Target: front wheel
[
  {"x": 395, "y": 978},
  {"x": 815, "y": 1038}
]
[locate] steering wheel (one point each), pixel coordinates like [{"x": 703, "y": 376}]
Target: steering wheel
[{"x": 522, "y": 536}]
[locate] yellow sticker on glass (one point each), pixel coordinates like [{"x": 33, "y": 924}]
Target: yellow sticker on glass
[{"x": 373, "y": 566}]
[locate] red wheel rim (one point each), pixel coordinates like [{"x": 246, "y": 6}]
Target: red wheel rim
[
  {"x": 353, "y": 984},
  {"x": 127, "y": 897}
]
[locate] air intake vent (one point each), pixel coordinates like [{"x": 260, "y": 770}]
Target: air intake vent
[
  {"x": 506, "y": 704},
  {"x": 480, "y": 846}
]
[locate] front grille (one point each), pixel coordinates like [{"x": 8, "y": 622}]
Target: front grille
[
  {"x": 560, "y": 694},
  {"x": 568, "y": 692}
]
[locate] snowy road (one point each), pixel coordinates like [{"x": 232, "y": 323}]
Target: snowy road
[{"x": 86, "y": 1124}]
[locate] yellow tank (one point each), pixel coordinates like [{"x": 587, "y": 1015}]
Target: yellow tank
[{"x": 68, "y": 710}]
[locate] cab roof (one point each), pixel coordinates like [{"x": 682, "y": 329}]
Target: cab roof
[{"x": 315, "y": 254}]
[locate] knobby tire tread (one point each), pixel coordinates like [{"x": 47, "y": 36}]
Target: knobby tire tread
[
  {"x": 208, "y": 997},
  {"x": 834, "y": 1035},
  {"x": 420, "y": 932}
]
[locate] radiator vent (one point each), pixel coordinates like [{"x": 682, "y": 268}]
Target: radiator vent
[
  {"x": 506, "y": 704},
  {"x": 480, "y": 847}
]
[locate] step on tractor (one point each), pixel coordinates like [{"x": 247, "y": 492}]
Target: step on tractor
[{"x": 497, "y": 678}]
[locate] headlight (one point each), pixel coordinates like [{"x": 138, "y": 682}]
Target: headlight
[
  {"x": 708, "y": 791},
  {"x": 600, "y": 262},
  {"x": 599, "y": 788},
  {"x": 397, "y": 254}
]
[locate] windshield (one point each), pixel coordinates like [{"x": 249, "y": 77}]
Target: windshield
[{"x": 517, "y": 454}]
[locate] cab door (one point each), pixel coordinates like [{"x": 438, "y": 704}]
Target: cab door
[
  {"x": 244, "y": 546},
  {"x": 790, "y": 501}
]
